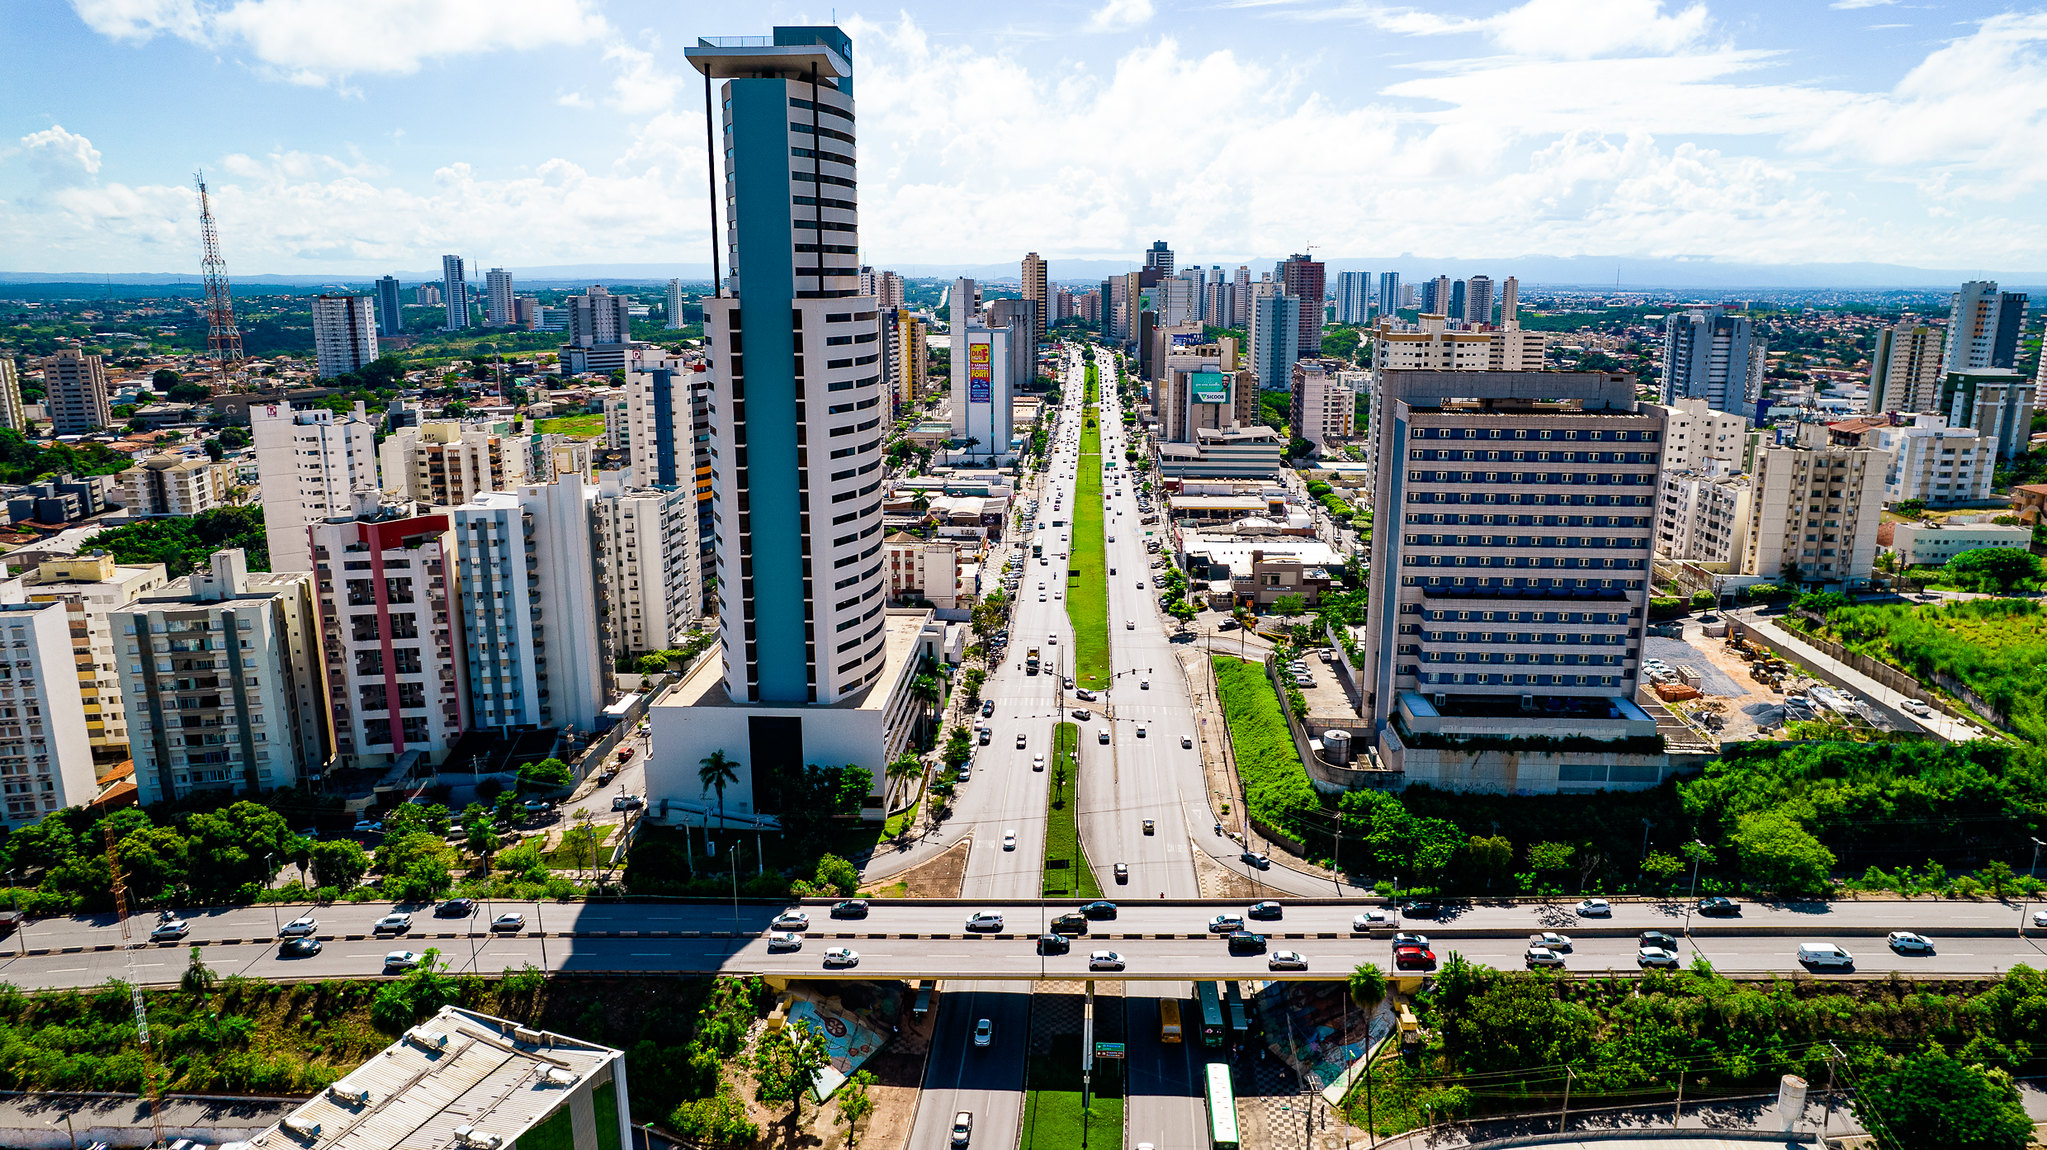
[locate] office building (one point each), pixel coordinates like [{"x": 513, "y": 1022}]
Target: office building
[
  {"x": 1324, "y": 406},
  {"x": 344, "y": 334},
  {"x": 599, "y": 331},
  {"x": 1997, "y": 402},
  {"x": 1696, "y": 435},
  {"x": 1983, "y": 327},
  {"x": 1389, "y": 294},
  {"x": 1436, "y": 297},
  {"x": 1907, "y": 366},
  {"x": 175, "y": 486},
  {"x": 659, "y": 430},
  {"x": 309, "y": 465},
  {"x": 223, "y": 682},
  {"x": 526, "y": 313},
  {"x": 1302, "y": 278},
  {"x": 390, "y": 636},
  {"x": 92, "y": 586},
  {"x": 983, "y": 387},
  {"x": 1019, "y": 316},
  {"x": 454, "y": 293},
  {"x": 1209, "y": 395},
  {"x": 963, "y": 301},
  {"x": 1935, "y": 543},
  {"x": 1711, "y": 354},
  {"x": 390, "y": 308},
  {"x": 1703, "y": 517},
  {"x": 442, "y": 463},
  {"x": 1037, "y": 290},
  {"x": 528, "y": 605},
  {"x": 1275, "y": 328},
  {"x": 499, "y": 308},
  {"x": 674, "y": 320},
  {"x": 1478, "y": 301},
  {"x": 1817, "y": 507},
  {"x": 1159, "y": 258},
  {"x": 45, "y": 760},
  {"x": 75, "y": 392},
  {"x": 648, "y": 563},
  {"x": 1509, "y": 573},
  {"x": 1456, "y": 312},
  {"x": 1354, "y": 298}
]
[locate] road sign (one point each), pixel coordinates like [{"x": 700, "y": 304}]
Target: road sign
[{"x": 1108, "y": 1050}]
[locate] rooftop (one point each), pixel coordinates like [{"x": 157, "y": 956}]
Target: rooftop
[{"x": 705, "y": 686}]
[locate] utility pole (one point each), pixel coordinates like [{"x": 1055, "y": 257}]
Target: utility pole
[
  {"x": 1827, "y": 1111},
  {"x": 1564, "y": 1115}
]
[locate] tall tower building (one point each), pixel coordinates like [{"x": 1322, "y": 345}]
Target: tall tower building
[
  {"x": 963, "y": 301},
  {"x": 889, "y": 289},
  {"x": 500, "y": 306},
  {"x": 1510, "y": 303},
  {"x": 1711, "y": 354},
  {"x": 1457, "y": 302},
  {"x": 390, "y": 309},
  {"x": 1389, "y": 293},
  {"x": 1240, "y": 298},
  {"x": 1159, "y": 258},
  {"x": 1983, "y": 326},
  {"x": 455, "y": 293},
  {"x": 1035, "y": 289},
  {"x": 674, "y": 305},
  {"x": 75, "y": 387},
  {"x": 11, "y": 416},
  {"x": 344, "y": 334},
  {"x": 1907, "y": 366},
  {"x": 599, "y": 331},
  {"x": 1305, "y": 280},
  {"x": 309, "y": 465},
  {"x": 1478, "y": 300},
  {"x": 1354, "y": 297}
]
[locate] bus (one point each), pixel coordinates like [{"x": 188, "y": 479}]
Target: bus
[
  {"x": 1222, "y": 1108},
  {"x": 1240, "y": 1022},
  {"x": 1037, "y": 549},
  {"x": 1169, "y": 1020},
  {"x": 1211, "y": 1014}
]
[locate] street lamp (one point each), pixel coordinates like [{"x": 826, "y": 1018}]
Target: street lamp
[{"x": 1693, "y": 899}]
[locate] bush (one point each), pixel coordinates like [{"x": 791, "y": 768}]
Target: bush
[{"x": 545, "y": 775}]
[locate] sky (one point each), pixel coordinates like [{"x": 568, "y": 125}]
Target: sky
[{"x": 360, "y": 137}]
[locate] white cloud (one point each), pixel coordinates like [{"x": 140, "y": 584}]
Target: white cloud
[
  {"x": 1116, "y": 15},
  {"x": 641, "y": 87},
  {"x": 321, "y": 41},
  {"x": 61, "y": 157},
  {"x": 1853, "y": 4},
  {"x": 1557, "y": 29}
]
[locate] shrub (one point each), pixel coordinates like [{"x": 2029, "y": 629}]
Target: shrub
[{"x": 1276, "y": 787}]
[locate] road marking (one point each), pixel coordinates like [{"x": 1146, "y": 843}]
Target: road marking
[{"x": 69, "y": 970}]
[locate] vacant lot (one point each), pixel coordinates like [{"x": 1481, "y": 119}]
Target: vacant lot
[{"x": 1997, "y": 647}]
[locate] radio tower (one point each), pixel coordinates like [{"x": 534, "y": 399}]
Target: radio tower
[{"x": 223, "y": 338}]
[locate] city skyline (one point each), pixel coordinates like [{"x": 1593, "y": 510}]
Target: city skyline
[{"x": 1682, "y": 134}]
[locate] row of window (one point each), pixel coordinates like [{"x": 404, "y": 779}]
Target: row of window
[
  {"x": 1532, "y": 498},
  {"x": 1504, "y": 679},
  {"x": 1546, "y": 561},
  {"x": 1540, "y": 456},
  {"x": 1546, "y": 478},
  {"x": 1594, "y": 436},
  {"x": 1565, "y": 541},
  {"x": 1531, "y": 520}
]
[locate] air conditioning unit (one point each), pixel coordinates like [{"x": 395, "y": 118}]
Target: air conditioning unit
[
  {"x": 472, "y": 1137},
  {"x": 428, "y": 1039},
  {"x": 348, "y": 1095}
]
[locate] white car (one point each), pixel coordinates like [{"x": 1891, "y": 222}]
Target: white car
[
  {"x": 1009, "y": 840},
  {"x": 1105, "y": 960},
  {"x": 401, "y": 960},
  {"x": 398, "y": 923},
  {"x": 1550, "y": 940},
  {"x": 511, "y": 920},
  {"x": 2040, "y": 918},
  {"x": 170, "y": 930},
  {"x": 984, "y": 920},
  {"x": 1655, "y": 956},
  {"x": 1542, "y": 956},
  {"x": 300, "y": 927},
  {"x": 842, "y": 956},
  {"x": 783, "y": 940},
  {"x": 1363, "y": 923},
  {"x": 1595, "y": 908},
  {"x": 1038, "y": 762},
  {"x": 791, "y": 920},
  {"x": 1905, "y": 942},
  {"x": 1916, "y": 707},
  {"x": 1286, "y": 960}
]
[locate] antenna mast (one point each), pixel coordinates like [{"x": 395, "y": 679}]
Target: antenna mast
[
  {"x": 120, "y": 890},
  {"x": 223, "y": 337}
]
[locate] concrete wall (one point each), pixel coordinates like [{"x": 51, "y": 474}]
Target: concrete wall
[
  {"x": 1524, "y": 772},
  {"x": 682, "y": 737}
]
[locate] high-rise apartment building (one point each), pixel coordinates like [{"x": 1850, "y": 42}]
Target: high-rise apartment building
[
  {"x": 454, "y": 293},
  {"x": 1354, "y": 297},
  {"x": 175, "y": 486},
  {"x": 1906, "y": 367},
  {"x": 443, "y": 463},
  {"x": 659, "y": 427},
  {"x": 647, "y": 563},
  {"x": 1996, "y": 402},
  {"x": 982, "y": 388},
  {"x": 1430, "y": 345},
  {"x": 1037, "y": 289},
  {"x": 673, "y": 308},
  {"x": 913, "y": 356},
  {"x": 1159, "y": 258},
  {"x": 1698, "y": 437},
  {"x": 223, "y": 682},
  {"x": 1303, "y": 278},
  {"x": 888, "y": 290},
  {"x": 427, "y": 295},
  {"x": 1712, "y": 354},
  {"x": 1703, "y": 516},
  {"x": 1389, "y": 294},
  {"x": 1324, "y": 407},
  {"x": 1478, "y": 301},
  {"x": 499, "y": 308},
  {"x": 526, "y": 313},
  {"x": 344, "y": 333},
  {"x": 45, "y": 760},
  {"x": 11, "y": 415},
  {"x": 963, "y": 301},
  {"x": 92, "y": 586},
  {"x": 75, "y": 392},
  {"x": 1457, "y": 302},
  {"x": 1510, "y": 301},
  {"x": 390, "y": 307},
  {"x": 1930, "y": 462},
  {"x": 1983, "y": 326},
  {"x": 599, "y": 331},
  {"x": 1275, "y": 328},
  {"x": 1436, "y": 297},
  {"x": 309, "y": 465},
  {"x": 1816, "y": 510}
]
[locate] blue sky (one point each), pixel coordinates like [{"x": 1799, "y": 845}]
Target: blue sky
[{"x": 357, "y": 136}]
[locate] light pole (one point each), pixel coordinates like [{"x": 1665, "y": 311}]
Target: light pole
[
  {"x": 20, "y": 923},
  {"x": 276, "y": 924},
  {"x": 1692, "y": 900}
]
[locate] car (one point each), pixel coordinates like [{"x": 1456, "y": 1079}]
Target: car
[
  {"x": 1019, "y": 740},
  {"x": 962, "y": 1127},
  {"x": 1824, "y": 956},
  {"x": 1144, "y": 685},
  {"x": 1648, "y": 956},
  {"x": 1085, "y": 695},
  {"x": 1102, "y": 736},
  {"x": 784, "y": 940},
  {"x": 1049, "y": 943},
  {"x": 1657, "y": 939},
  {"x": 1224, "y": 923},
  {"x": 1041, "y": 596},
  {"x": 1141, "y": 731},
  {"x": 791, "y": 920},
  {"x": 2040, "y": 918},
  {"x": 1414, "y": 958},
  {"x": 301, "y": 927},
  {"x": 170, "y": 930},
  {"x": 625, "y": 753},
  {"x": 1100, "y": 908},
  {"x": 1140, "y": 584},
  {"x": 984, "y": 920},
  {"x": 1420, "y": 908},
  {"x": 401, "y": 960},
  {"x": 842, "y": 956},
  {"x": 986, "y": 735},
  {"x": 510, "y": 920},
  {"x": 1038, "y": 762},
  {"x": 1717, "y": 904},
  {"x": 984, "y": 1033},
  {"x": 368, "y": 827},
  {"x": 1265, "y": 910},
  {"x": 1550, "y": 939},
  {"x": 1226, "y": 625},
  {"x": 1363, "y": 923},
  {"x": 850, "y": 908},
  {"x": 1542, "y": 956},
  {"x": 1905, "y": 942},
  {"x": 302, "y": 947},
  {"x": 1148, "y": 826},
  {"x": 1082, "y": 714},
  {"x": 987, "y": 707},
  {"x": 1244, "y": 941},
  {"x": 1254, "y": 859},
  {"x": 1286, "y": 960},
  {"x": 536, "y": 807},
  {"x": 1072, "y": 922},
  {"x": 1916, "y": 707},
  {"x": 1009, "y": 840},
  {"x": 1595, "y": 908},
  {"x": 1405, "y": 939},
  {"x": 395, "y": 923},
  {"x": 627, "y": 802},
  {"x": 1067, "y": 682},
  {"x": 455, "y": 908},
  {"x": 1123, "y": 873},
  {"x": 1186, "y": 742}
]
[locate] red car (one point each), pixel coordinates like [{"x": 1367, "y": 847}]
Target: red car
[
  {"x": 1409, "y": 957},
  {"x": 624, "y": 753}
]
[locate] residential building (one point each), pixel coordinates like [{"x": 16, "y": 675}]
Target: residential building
[
  {"x": 1509, "y": 348},
  {"x": 1303, "y": 278},
  {"x": 1436, "y": 297},
  {"x": 1428, "y": 345},
  {"x": 924, "y": 571},
  {"x": 674, "y": 320},
  {"x": 1907, "y": 366},
  {"x": 527, "y": 600},
  {"x": 46, "y": 761},
  {"x": 390, "y": 307},
  {"x": 526, "y": 313},
  {"x": 11, "y": 415},
  {"x": 1389, "y": 294},
  {"x": 1020, "y": 317},
  {"x": 443, "y": 463},
  {"x": 2029, "y": 502},
  {"x": 1354, "y": 298},
  {"x": 1478, "y": 301},
  {"x": 1456, "y": 311},
  {"x": 1983, "y": 327},
  {"x": 1324, "y": 406},
  {"x": 390, "y": 634},
  {"x": 599, "y": 331},
  {"x": 454, "y": 293},
  {"x": 310, "y": 462},
  {"x": 1696, "y": 434},
  {"x": 888, "y": 290},
  {"x": 344, "y": 333},
  {"x": 913, "y": 357},
  {"x": 428, "y": 295},
  {"x": 1704, "y": 516},
  {"x": 1936, "y": 544},
  {"x": 1037, "y": 290},
  {"x": 1817, "y": 506},
  {"x": 659, "y": 430},
  {"x": 175, "y": 486},
  {"x": 1996, "y": 402},
  {"x": 648, "y": 563},
  {"x": 1510, "y": 301},
  {"x": 222, "y": 683},
  {"x": 982, "y": 390},
  {"x": 500, "y": 308},
  {"x": 963, "y": 302},
  {"x": 1711, "y": 354},
  {"x": 1159, "y": 258},
  {"x": 92, "y": 586},
  {"x": 1275, "y": 322},
  {"x": 62, "y": 498},
  {"x": 75, "y": 392},
  {"x": 1930, "y": 462}
]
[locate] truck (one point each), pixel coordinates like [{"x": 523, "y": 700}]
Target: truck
[{"x": 1031, "y": 662}]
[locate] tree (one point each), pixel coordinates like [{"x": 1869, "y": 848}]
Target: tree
[
  {"x": 480, "y": 832},
  {"x": 785, "y": 1061},
  {"x": 198, "y": 977},
  {"x": 549, "y": 774},
  {"x": 339, "y": 863},
  {"x": 1930, "y": 1100},
  {"x": 1662, "y": 868},
  {"x": 163, "y": 379},
  {"x": 1491, "y": 856},
  {"x": 154, "y": 861},
  {"x": 1551, "y": 856},
  {"x": 1290, "y": 606},
  {"x": 837, "y": 875},
  {"x": 1778, "y": 854},
  {"x": 1991, "y": 569},
  {"x": 243, "y": 843},
  {"x": 905, "y": 767},
  {"x": 1367, "y": 986},
  {"x": 717, "y": 773},
  {"x": 855, "y": 1103}
]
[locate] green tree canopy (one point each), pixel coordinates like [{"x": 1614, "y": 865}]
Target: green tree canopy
[
  {"x": 1780, "y": 855},
  {"x": 1930, "y": 1100},
  {"x": 1993, "y": 569}
]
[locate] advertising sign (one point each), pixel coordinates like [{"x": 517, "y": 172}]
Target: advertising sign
[
  {"x": 980, "y": 374},
  {"x": 1209, "y": 387}
]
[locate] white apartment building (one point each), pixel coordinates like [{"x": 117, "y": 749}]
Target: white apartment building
[
  {"x": 310, "y": 462},
  {"x": 222, "y": 682},
  {"x": 527, "y": 583},
  {"x": 92, "y": 586},
  {"x": 674, "y": 306},
  {"x": 648, "y": 563},
  {"x": 658, "y": 428},
  {"x": 1906, "y": 367},
  {"x": 75, "y": 392},
  {"x": 1934, "y": 544},
  {"x": 1697, "y": 435},
  {"x": 1816, "y": 511},
  {"x": 500, "y": 302},
  {"x": 344, "y": 333},
  {"x": 1429, "y": 345},
  {"x": 1324, "y": 406},
  {"x": 1703, "y": 516},
  {"x": 175, "y": 486},
  {"x": 45, "y": 760},
  {"x": 1938, "y": 465},
  {"x": 924, "y": 569},
  {"x": 454, "y": 292},
  {"x": 395, "y": 684},
  {"x": 1509, "y": 348},
  {"x": 1997, "y": 402},
  {"x": 11, "y": 415},
  {"x": 442, "y": 463}
]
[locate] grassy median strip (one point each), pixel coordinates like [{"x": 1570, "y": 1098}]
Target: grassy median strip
[
  {"x": 1052, "y": 1114},
  {"x": 1087, "y": 588},
  {"x": 1066, "y": 872}
]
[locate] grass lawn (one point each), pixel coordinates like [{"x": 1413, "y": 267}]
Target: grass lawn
[
  {"x": 1087, "y": 588},
  {"x": 1052, "y": 1116},
  {"x": 899, "y": 821},
  {"x": 1276, "y": 786},
  {"x": 1066, "y": 871},
  {"x": 581, "y": 426},
  {"x": 571, "y": 854}
]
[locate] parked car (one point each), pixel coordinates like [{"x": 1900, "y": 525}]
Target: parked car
[{"x": 627, "y": 802}]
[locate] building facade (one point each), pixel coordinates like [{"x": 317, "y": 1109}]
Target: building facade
[
  {"x": 1036, "y": 290},
  {"x": 1305, "y": 280},
  {"x": 1696, "y": 434},
  {"x": 983, "y": 388},
  {"x": 1428, "y": 345},
  {"x": 46, "y": 762},
  {"x": 175, "y": 486},
  {"x": 1275, "y": 320},
  {"x": 75, "y": 392},
  {"x": 310, "y": 462},
  {"x": 1983, "y": 327},
  {"x": 390, "y": 307},
  {"x": 1324, "y": 406},
  {"x": 648, "y": 563},
  {"x": 92, "y": 586},
  {"x": 443, "y": 463},
  {"x": 599, "y": 332},
  {"x": 1703, "y": 516},
  {"x": 1906, "y": 367},
  {"x": 1997, "y": 402},
  {"x": 344, "y": 333},
  {"x": 1936, "y": 544},
  {"x": 1712, "y": 354},
  {"x": 1817, "y": 509},
  {"x": 454, "y": 293},
  {"x": 500, "y": 301}
]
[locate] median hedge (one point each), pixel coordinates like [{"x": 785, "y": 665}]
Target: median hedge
[{"x": 1276, "y": 788}]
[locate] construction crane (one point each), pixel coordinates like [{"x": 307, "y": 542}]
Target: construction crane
[
  {"x": 223, "y": 337},
  {"x": 120, "y": 889}
]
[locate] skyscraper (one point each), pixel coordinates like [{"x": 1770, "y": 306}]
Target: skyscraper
[
  {"x": 1305, "y": 280},
  {"x": 1983, "y": 326},
  {"x": 1275, "y": 324},
  {"x": 1035, "y": 288},
  {"x": 1510, "y": 302},
  {"x": 1354, "y": 297},
  {"x": 1457, "y": 302},
  {"x": 390, "y": 309},
  {"x": 455, "y": 293},
  {"x": 499, "y": 310},
  {"x": 1711, "y": 354},
  {"x": 1240, "y": 298},
  {"x": 75, "y": 387},
  {"x": 309, "y": 465},
  {"x": 1906, "y": 368},
  {"x": 599, "y": 331},
  {"x": 982, "y": 384},
  {"x": 1436, "y": 296},
  {"x": 344, "y": 334},
  {"x": 11, "y": 416},
  {"x": 1389, "y": 293},
  {"x": 1159, "y": 258},
  {"x": 1478, "y": 300},
  {"x": 963, "y": 302},
  {"x": 674, "y": 305}
]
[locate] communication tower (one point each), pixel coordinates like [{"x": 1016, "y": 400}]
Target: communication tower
[{"x": 223, "y": 337}]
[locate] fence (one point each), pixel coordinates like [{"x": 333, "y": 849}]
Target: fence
[{"x": 1889, "y": 676}]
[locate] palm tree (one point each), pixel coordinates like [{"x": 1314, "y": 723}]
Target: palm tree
[
  {"x": 1368, "y": 989},
  {"x": 926, "y": 689},
  {"x": 905, "y": 767},
  {"x": 715, "y": 775}
]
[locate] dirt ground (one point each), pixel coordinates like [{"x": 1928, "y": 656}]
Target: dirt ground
[
  {"x": 939, "y": 878},
  {"x": 1218, "y": 882}
]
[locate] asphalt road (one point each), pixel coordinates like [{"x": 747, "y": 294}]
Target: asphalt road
[{"x": 1163, "y": 1103}]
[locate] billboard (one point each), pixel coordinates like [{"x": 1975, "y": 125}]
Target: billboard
[
  {"x": 980, "y": 373},
  {"x": 1209, "y": 387},
  {"x": 1188, "y": 339}
]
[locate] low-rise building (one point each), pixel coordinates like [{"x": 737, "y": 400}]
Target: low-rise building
[
  {"x": 1258, "y": 570},
  {"x": 1934, "y": 544},
  {"x": 176, "y": 486},
  {"x": 924, "y": 570},
  {"x": 1254, "y": 452},
  {"x": 57, "y": 500}
]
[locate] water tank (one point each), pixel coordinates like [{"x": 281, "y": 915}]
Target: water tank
[{"x": 1336, "y": 747}]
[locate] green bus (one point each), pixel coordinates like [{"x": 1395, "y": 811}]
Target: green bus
[
  {"x": 1211, "y": 1013},
  {"x": 1222, "y": 1108},
  {"x": 1240, "y": 1022}
]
